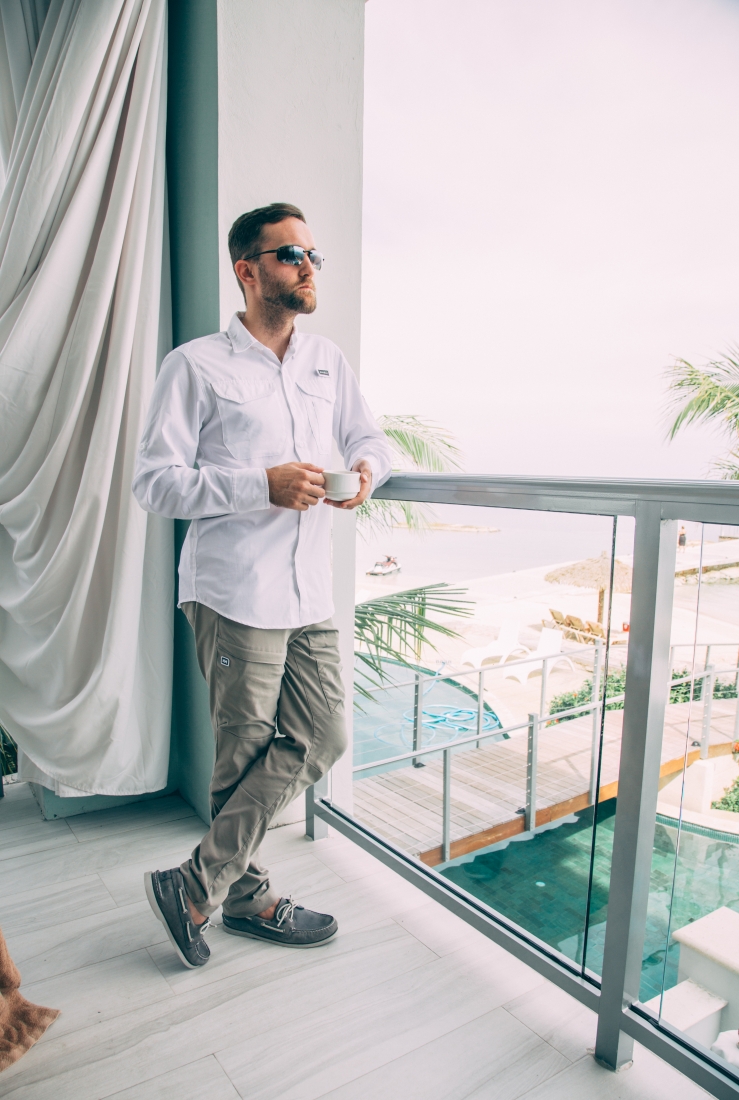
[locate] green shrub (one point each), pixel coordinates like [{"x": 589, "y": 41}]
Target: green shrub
[
  {"x": 722, "y": 689},
  {"x": 730, "y": 800},
  {"x": 8, "y": 754}
]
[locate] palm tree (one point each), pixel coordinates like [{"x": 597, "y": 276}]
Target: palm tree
[{"x": 709, "y": 393}]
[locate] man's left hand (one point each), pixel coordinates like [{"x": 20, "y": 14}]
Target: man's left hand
[{"x": 365, "y": 484}]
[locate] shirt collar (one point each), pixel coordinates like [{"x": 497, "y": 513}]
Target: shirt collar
[
  {"x": 239, "y": 335},
  {"x": 241, "y": 339}
]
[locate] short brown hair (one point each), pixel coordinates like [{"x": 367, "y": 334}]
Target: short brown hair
[{"x": 245, "y": 233}]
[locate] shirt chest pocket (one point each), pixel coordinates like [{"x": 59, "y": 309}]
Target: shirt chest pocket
[
  {"x": 318, "y": 399},
  {"x": 253, "y": 418}
]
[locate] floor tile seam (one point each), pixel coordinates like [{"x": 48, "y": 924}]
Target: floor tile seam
[
  {"x": 86, "y": 966},
  {"x": 6, "y": 826},
  {"x": 417, "y": 938},
  {"x": 572, "y": 1061},
  {"x": 355, "y": 879},
  {"x": 282, "y": 977},
  {"x": 544, "y": 1081},
  {"x": 64, "y": 847},
  {"x": 139, "y": 828},
  {"x": 128, "y": 860},
  {"x": 19, "y": 895},
  {"x": 227, "y": 1075},
  {"x": 388, "y": 1061},
  {"x": 166, "y": 1073},
  {"x": 13, "y": 936}
]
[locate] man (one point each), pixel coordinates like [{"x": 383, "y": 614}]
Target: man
[{"x": 239, "y": 432}]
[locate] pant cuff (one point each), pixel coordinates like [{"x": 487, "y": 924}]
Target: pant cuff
[
  {"x": 195, "y": 892},
  {"x": 249, "y": 907}
]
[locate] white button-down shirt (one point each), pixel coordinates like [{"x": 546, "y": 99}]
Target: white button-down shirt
[{"x": 224, "y": 410}]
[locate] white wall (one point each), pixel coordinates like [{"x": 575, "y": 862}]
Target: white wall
[{"x": 290, "y": 116}]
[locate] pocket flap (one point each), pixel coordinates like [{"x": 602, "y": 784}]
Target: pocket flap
[
  {"x": 317, "y": 387},
  {"x": 242, "y": 390}
]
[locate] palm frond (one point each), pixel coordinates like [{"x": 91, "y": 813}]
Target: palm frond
[
  {"x": 398, "y": 626},
  {"x": 712, "y": 392},
  {"x": 381, "y": 515},
  {"x": 422, "y": 443},
  {"x": 728, "y": 467},
  {"x": 417, "y": 444}
]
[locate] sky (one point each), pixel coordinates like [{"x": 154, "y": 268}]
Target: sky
[{"x": 549, "y": 221}]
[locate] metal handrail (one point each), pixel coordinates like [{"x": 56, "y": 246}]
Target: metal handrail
[
  {"x": 480, "y": 668},
  {"x": 543, "y": 719}
]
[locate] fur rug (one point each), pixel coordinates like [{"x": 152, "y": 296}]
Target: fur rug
[{"x": 21, "y": 1023}]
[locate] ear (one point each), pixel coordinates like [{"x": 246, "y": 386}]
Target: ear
[{"x": 245, "y": 271}]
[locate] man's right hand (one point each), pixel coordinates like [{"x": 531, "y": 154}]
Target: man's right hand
[{"x": 295, "y": 485}]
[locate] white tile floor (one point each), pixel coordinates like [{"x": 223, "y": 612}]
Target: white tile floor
[{"x": 408, "y": 1002}]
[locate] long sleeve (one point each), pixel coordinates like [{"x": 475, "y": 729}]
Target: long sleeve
[
  {"x": 356, "y": 431},
  {"x": 166, "y": 479}
]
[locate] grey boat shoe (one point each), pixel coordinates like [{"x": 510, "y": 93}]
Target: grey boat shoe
[
  {"x": 292, "y": 926},
  {"x": 166, "y": 893}
]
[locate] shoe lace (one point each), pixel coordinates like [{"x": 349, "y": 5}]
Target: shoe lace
[{"x": 285, "y": 911}]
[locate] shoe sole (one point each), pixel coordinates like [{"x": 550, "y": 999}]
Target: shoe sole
[
  {"x": 280, "y": 943},
  {"x": 149, "y": 886}
]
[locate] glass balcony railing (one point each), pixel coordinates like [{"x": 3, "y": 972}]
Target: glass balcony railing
[{"x": 546, "y": 740}]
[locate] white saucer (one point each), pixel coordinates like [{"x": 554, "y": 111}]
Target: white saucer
[{"x": 342, "y": 496}]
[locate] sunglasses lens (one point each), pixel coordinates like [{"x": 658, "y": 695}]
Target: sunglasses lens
[{"x": 291, "y": 254}]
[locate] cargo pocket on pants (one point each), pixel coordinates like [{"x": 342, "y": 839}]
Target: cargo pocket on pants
[{"x": 324, "y": 649}]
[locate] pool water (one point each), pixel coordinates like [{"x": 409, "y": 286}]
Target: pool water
[
  {"x": 542, "y": 885},
  {"x": 383, "y": 725}
]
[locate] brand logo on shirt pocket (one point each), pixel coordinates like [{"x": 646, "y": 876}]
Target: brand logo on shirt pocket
[{"x": 225, "y": 661}]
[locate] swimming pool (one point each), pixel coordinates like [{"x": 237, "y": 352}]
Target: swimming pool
[
  {"x": 383, "y": 725},
  {"x": 542, "y": 885}
]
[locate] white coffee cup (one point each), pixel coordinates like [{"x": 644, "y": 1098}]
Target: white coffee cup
[{"x": 341, "y": 484}]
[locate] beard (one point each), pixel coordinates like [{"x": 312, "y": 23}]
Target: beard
[{"x": 280, "y": 301}]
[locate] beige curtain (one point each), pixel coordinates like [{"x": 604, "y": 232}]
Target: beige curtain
[{"x": 85, "y": 575}]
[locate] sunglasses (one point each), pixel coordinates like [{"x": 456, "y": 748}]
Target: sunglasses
[{"x": 292, "y": 254}]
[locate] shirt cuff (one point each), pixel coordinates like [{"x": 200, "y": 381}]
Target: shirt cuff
[{"x": 250, "y": 490}]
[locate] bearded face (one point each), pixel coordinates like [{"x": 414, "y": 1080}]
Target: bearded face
[{"x": 294, "y": 295}]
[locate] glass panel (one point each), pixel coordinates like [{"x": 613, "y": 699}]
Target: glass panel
[
  {"x": 690, "y": 973},
  {"x": 522, "y": 600}
]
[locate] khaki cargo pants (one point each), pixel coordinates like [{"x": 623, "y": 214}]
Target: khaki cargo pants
[{"x": 277, "y": 707}]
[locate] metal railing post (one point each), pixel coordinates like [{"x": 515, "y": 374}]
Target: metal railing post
[
  {"x": 531, "y": 762},
  {"x": 595, "y": 745},
  {"x": 446, "y": 820},
  {"x": 708, "y": 680},
  {"x": 315, "y": 827},
  {"x": 480, "y": 705},
  {"x": 418, "y": 719},
  {"x": 647, "y": 687},
  {"x": 543, "y": 697}
]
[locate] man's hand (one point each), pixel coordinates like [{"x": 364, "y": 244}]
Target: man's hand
[
  {"x": 295, "y": 485},
  {"x": 365, "y": 484}
]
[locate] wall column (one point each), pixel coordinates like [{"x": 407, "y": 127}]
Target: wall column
[{"x": 266, "y": 102}]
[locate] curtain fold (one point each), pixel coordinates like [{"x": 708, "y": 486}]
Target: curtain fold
[{"x": 86, "y": 600}]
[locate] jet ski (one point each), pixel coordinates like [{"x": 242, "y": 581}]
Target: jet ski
[{"x": 384, "y": 567}]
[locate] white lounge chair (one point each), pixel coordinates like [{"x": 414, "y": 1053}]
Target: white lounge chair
[
  {"x": 550, "y": 645},
  {"x": 504, "y": 645}
]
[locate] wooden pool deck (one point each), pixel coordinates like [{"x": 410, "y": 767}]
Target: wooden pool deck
[{"x": 489, "y": 783}]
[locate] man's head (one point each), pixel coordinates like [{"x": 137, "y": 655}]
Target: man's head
[{"x": 273, "y": 288}]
